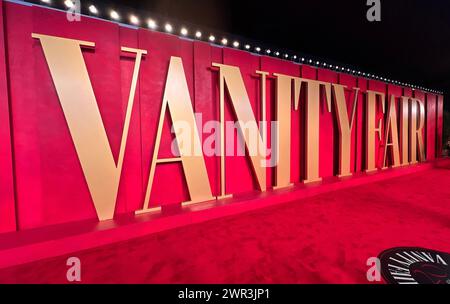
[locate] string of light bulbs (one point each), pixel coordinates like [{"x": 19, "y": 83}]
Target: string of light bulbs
[{"x": 183, "y": 31}]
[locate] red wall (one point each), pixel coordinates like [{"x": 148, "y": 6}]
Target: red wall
[
  {"x": 440, "y": 124},
  {"x": 49, "y": 183}
]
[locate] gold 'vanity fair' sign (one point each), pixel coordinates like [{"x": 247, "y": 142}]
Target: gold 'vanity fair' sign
[{"x": 102, "y": 173}]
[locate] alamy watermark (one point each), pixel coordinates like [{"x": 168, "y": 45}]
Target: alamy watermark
[
  {"x": 374, "y": 272},
  {"x": 74, "y": 10},
  {"x": 74, "y": 272},
  {"x": 235, "y": 135}
]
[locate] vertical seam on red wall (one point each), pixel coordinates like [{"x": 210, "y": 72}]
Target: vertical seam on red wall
[
  {"x": 6, "y": 163},
  {"x": 138, "y": 38},
  {"x": 141, "y": 147}
]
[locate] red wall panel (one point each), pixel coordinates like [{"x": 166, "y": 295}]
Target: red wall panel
[
  {"x": 272, "y": 66},
  {"x": 24, "y": 121},
  {"x": 360, "y": 131},
  {"x": 379, "y": 86},
  {"x": 131, "y": 188},
  {"x": 49, "y": 181},
  {"x": 440, "y": 124},
  {"x": 7, "y": 203},
  {"x": 153, "y": 75},
  {"x": 329, "y": 141},
  {"x": 397, "y": 92},
  {"x": 239, "y": 172},
  {"x": 351, "y": 82},
  {"x": 207, "y": 103},
  {"x": 421, "y": 96},
  {"x": 45, "y": 156},
  {"x": 430, "y": 125},
  {"x": 307, "y": 72},
  {"x": 407, "y": 92}
]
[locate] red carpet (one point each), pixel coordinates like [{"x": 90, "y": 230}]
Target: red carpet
[{"x": 325, "y": 239}]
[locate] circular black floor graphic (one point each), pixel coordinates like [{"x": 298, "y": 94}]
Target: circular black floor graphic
[{"x": 411, "y": 265}]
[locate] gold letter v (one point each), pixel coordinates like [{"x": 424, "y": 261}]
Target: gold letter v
[{"x": 74, "y": 88}]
